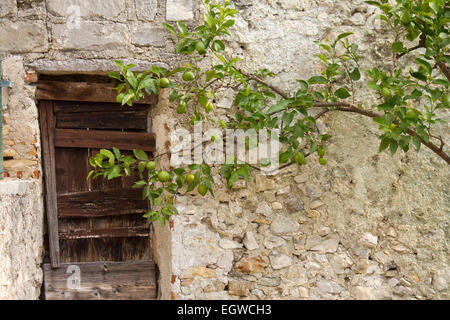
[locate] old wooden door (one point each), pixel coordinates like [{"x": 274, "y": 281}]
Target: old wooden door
[{"x": 99, "y": 243}]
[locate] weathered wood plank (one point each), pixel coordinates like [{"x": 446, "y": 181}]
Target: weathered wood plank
[
  {"x": 94, "y": 204},
  {"x": 48, "y": 150},
  {"x": 120, "y": 232},
  {"x": 84, "y": 107},
  {"x": 73, "y": 138},
  {"x": 134, "y": 120},
  {"x": 101, "y": 280},
  {"x": 82, "y": 91}
]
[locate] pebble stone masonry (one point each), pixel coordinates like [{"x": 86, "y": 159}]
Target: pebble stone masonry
[{"x": 365, "y": 226}]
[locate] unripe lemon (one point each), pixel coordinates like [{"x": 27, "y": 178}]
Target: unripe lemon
[
  {"x": 200, "y": 47},
  {"x": 151, "y": 165},
  {"x": 163, "y": 176},
  {"x": 322, "y": 161},
  {"x": 188, "y": 76},
  {"x": 321, "y": 152},
  {"x": 208, "y": 107},
  {"x": 386, "y": 92},
  {"x": 406, "y": 18},
  {"x": 446, "y": 100},
  {"x": 181, "y": 108},
  {"x": 190, "y": 178},
  {"x": 202, "y": 189},
  {"x": 300, "y": 159},
  {"x": 164, "y": 82}
]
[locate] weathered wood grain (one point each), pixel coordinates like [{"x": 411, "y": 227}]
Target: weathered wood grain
[
  {"x": 102, "y": 280},
  {"x": 75, "y": 138},
  {"x": 82, "y": 91},
  {"x": 48, "y": 150},
  {"x": 94, "y": 204},
  {"x": 119, "y": 232},
  {"x": 127, "y": 120}
]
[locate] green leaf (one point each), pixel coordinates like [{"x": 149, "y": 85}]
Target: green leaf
[
  {"x": 342, "y": 93},
  {"x": 355, "y": 75},
  {"x": 141, "y": 155},
  {"x": 114, "y": 172},
  {"x": 393, "y": 146},
  {"x": 139, "y": 184},
  {"x": 384, "y": 144},
  {"x": 170, "y": 28},
  {"x": 417, "y": 142},
  {"x": 425, "y": 65},
  {"x": 397, "y": 46},
  {"x": 317, "y": 80},
  {"x": 182, "y": 27},
  {"x": 227, "y": 24},
  {"x": 279, "y": 106},
  {"x": 218, "y": 46}
]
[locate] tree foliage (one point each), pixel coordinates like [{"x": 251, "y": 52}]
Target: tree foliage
[{"x": 409, "y": 102}]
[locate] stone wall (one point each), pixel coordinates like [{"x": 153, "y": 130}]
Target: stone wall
[
  {"x": 21, "y": 239},
  {"x": 365, "y": 226}
]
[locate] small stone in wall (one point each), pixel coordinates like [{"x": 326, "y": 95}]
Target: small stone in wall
[
  {"x": 326, "y": 286},
  {"x": 264, "y": 209},
  {"x": 250, "y": 266},
  {"x": 269, "y": 282},
  {"x": 263, "y": 183},
  {"x": 316, "y": 204},
  {"x": 272, "y": 241},
  {"x": 293, "y": 203},
  {"x": 277, "y": 206},
  {"x": 202, "y": 272},
  {"x": 250, "y": 242},
  {"x": 239, "y": 288},
  {"x": 301, "y": 179},
  {"x": 303, "y": 292},
  {"x": 369, "y": 240},
  {"x": 229, "y": 244},
  {"x": 284, "y": 225},
  {"x": 328, "y": 244},
  {"x": 284, "y": 190},
  {"x": 279, "y": 261},
  {"x": 323, "y": 231}
]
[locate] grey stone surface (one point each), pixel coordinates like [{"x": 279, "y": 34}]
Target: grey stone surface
[
  {"x": 179, "y": 10},
  {"x": 23, "y": 36},
  {"x": 92, "y": 36},
  {"x": 86, "y": 9},
  {"x": 146, "y": 9},
  {"x": 148, "y": 36},
  {"x": 283, "y": 225},
  {"x": 88, "y": 66}
]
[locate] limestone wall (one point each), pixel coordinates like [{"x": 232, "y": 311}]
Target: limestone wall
[{"x": 364, "y": 226}]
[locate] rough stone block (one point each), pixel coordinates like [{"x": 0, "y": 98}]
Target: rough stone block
[
  {"x": 21, "y": 36},
  {"x": 146, "y": 9},
  {"x": 179, "y": 10},
  {"x": 149, "y": 37},
  {"x": 93, "y": 36},
  {"x": 86, "y": 9},
  {"x": 8, "y": 7}
]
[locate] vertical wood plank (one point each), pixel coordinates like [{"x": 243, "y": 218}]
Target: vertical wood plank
[{"x": 48, "y": 149}]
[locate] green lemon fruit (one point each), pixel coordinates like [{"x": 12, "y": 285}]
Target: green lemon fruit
[
  {"x": 164, "y": 82},
  {"x": 208, "y": 107},
  {"x": 200, "y": 47},
  {"x": 190, "y": 178},
  {"x": 181, "y": 108},
  {"x": 300, "y": 159},
  {"x": 320, "y": 152},
  {"x": 163, "y": 176},
  {"x": 386, "y": 92},
  {"x": 446, "y": 100},
  {"x": 151, "y": 165},
  {"x": 406, "y": 18},
  {"x": 322, "y": 161},
  {"x": 202, "y": 189},
  {"x": 188, "y": 76}
]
